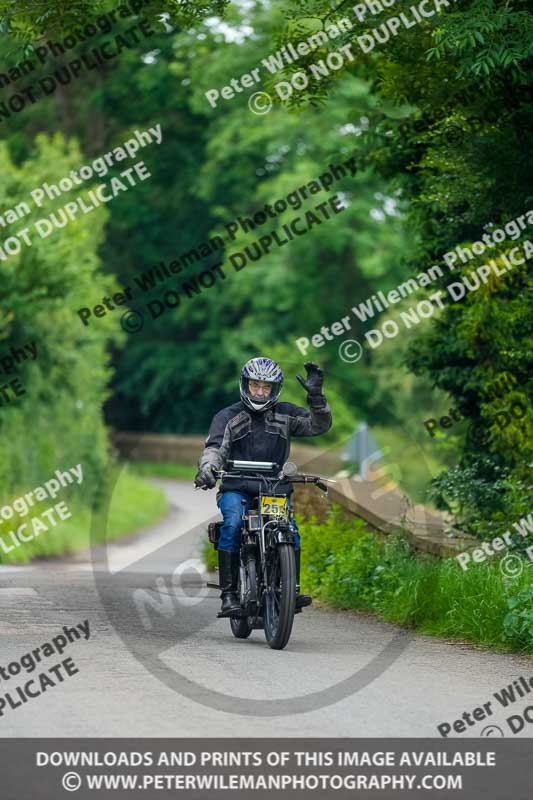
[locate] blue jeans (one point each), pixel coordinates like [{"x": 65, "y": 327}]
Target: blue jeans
[{"x": 230, "y": 532}]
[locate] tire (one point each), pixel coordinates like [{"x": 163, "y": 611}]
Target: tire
[
  {"x": 280, "y": 597},
  {"x": 241, "y": 627}
]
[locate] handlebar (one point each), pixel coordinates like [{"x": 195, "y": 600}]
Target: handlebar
[
  {"x": 220, "y": 473},
  {"x": 316, "y": 479}
]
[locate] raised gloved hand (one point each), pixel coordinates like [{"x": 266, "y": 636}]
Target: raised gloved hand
[
  {"x": 313, "y": 384},
  {"x": 205, "y": 477}
]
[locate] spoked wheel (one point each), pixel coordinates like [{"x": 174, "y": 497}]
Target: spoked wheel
[
  {"x": 241, "y": 627},
  {"x": 280, "y": 597}
]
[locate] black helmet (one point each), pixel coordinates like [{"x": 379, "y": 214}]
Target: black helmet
[{"x": 261, "y": 369}]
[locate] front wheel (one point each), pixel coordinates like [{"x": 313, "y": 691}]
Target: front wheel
[
  {"x": 241, "y": 627},
  {"x": 280, "y": 596}
]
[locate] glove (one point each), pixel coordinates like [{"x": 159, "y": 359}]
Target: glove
[
  {"x": 315, "y": 379},
  {"x": 313, "y": 384},
  {"x": 205, "y": 477}
]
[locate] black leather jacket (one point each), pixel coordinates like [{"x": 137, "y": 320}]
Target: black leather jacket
[{"x": 238, "y": 433}]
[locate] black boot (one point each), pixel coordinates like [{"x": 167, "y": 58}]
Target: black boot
[
  {"x": 235, "y": 570},
  {"x": 302, "y": 600},
  {"x": 228, "y": 576}
]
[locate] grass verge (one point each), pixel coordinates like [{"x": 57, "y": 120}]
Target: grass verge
[
  {"x": 348, "y": 567},
  {"x": 134, "y": 505}
]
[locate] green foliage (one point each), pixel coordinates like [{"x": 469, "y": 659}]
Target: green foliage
[
  {"x": 58, "y": 423},
  {"x": 26, "y": 20},
  {"x": 216, "y": 168},
  {"x": 453, "y": 113},
  {"x": 209, "y": 555},
  {"x": 518, "y": 624},
  {"x": 487, "y": 505},
  {"x": 135, "y": 505},
  {"x": 438, "y": 122},
  {"x": 489, "y": 38},
  {"x": 346, "y": 566}
]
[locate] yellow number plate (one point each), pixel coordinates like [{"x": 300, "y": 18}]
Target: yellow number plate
[{"x": 274, "y": 505}]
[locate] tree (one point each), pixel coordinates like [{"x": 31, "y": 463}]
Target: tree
[
  {"x": 57, "y": 422},
  {"x": 455, "y": 92}
]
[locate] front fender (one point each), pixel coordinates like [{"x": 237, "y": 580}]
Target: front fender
[{"x": 282, "y": 535}]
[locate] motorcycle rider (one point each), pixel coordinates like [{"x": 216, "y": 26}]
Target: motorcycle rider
[{"x": 258, "y": 428}]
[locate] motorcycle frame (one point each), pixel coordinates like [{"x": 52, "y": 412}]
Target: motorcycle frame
[{"x": 259, "y": 534}]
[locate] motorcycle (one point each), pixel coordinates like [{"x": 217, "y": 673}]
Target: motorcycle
[{"x": 267, "y": 576}]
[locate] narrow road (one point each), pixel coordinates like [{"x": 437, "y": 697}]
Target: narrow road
[{"x": 159, "y": 663}]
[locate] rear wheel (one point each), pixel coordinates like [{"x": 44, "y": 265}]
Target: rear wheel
[{"x": 280, "y": 596}]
